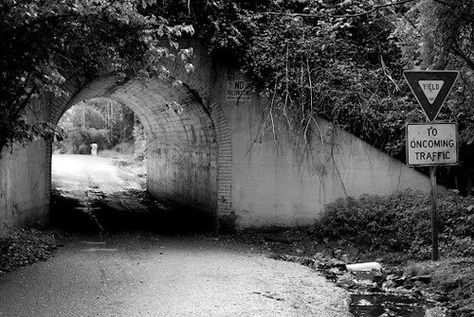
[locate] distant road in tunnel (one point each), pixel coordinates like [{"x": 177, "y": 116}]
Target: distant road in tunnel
[
  {"x": 109, "y": 198},
  {"x": 150, "y": 275},
  {"x": 73, "y": 172}
]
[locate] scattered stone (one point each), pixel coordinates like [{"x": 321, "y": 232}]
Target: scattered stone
[
  {"x": 337, "y": 254},
  {"x": 364, "y": 267},
  {"x": 422, "y": 278},
  {"x": 281, "y": 238},
  {"x": 319, "y": 257},
  {"x": 330, "y": 263},
  {"x": 375, "y": 289},
  {"x": 467, "y": 311},
  {"x": 346, "y": 258}
]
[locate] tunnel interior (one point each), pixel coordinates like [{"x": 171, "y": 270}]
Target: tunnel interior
[{"x": 181, "y": 154}]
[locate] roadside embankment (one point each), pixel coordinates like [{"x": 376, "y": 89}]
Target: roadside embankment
[{"x": 395, "y": 231}]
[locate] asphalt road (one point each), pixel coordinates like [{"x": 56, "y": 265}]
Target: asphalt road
[
  {"x": 72, "y": 172},
  {"x": 149, "y": 275},
  {"x": 146, "y": 274}
]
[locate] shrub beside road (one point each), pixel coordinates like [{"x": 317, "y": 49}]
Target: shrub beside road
[{"x": 394, "y": 230}]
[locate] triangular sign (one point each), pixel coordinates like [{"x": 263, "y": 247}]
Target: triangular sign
[{"x": 431, "y": 87}]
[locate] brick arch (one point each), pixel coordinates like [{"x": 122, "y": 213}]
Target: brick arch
[{"x": 187, "y": 127}]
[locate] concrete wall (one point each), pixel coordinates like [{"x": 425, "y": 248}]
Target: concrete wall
[
  {"x": 272, "y": 184},
  {"x": 203, "y": 152},
  {"x": 24, "y": 196},
  {"x": 187, "y": 177}
]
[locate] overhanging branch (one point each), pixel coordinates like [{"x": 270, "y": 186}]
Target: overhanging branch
[
  {"x": 311, "y": 15},
  {"x": 458, "y": 52}
]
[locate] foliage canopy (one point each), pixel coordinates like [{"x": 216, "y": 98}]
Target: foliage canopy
[
  {"x": 343, "y": 60},
  {"x": 338, "y": 59},
  {"x": 44, "y": 41}
]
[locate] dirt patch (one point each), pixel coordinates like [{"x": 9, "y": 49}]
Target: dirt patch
[{"x": 449, "y": 282}]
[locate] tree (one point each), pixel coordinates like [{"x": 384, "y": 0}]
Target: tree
[
  {"x": 439, "y": 35},
  {"x": 338, "y": 59},
  {"x": 44, "y": 41},
  {"x": 330, "y": 58}
]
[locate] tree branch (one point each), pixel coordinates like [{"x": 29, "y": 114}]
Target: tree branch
[
  {"x": 14, "y": 114},
  {"x": 458, "y": 52},
  {"x": 412, "y": 24},
  {"x": 310, "y": 15},
  {"x": 443, "y": 3},
  {"x": 108, "y": 6}
]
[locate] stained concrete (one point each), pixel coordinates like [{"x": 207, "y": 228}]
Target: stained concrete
[
  {"x": 24, "y": 194},
  {"x": 204, "y": 150}
]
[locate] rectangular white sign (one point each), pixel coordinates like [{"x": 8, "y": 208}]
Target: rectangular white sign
[
  {"x": 238, "y": 90},
  {"x": 432, "y": 144}
]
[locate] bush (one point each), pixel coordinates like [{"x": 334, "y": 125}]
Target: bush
[
  {"x": 124, "y": 148},
  {"x": 84, "y": 149},
  {"x": 79, "y": 139},
  {"x": 401, "y": 222}
]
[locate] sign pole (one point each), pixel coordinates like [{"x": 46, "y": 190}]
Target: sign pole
[
  {"x": 434, "y": 214},
  {"x": 431, "y": 87}
]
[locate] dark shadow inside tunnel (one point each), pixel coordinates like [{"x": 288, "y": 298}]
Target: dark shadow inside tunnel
[
  {"x": 101, "y": 172},
  {"x": 104, "y": 216}
]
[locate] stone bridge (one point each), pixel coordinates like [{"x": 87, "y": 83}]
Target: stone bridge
[{"x": 203, "y": 151}]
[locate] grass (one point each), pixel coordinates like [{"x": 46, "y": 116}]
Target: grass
[{"x": 452, "y": 280}]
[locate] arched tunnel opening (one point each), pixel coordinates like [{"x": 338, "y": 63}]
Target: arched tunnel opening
[{"x": 180, "y": 190}]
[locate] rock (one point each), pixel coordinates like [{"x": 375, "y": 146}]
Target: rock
[
  {"x": 442, "y": 298},
  {"x": 346, "y": 258},
  {"x": 319, "y": 257},
  {"x": 368, "y": 271},
  {"x": 399, "y": 280},
  {"x": 346, "y": 280},
  {"x": 422, "y": 278},
  {"x": 309, "y": 262},
  {"x": 466, "y": 310},
  {"x": 337, "y": 254},
  {"x": 334, "y": 263},
  {"x": 378, "y": 278},
  {"x": 364, "y": 267},
  {"x": 375, "y": 289},
  {"x": 388, "y": 285},
  {"x": 278, "y": 238},
  {"x": 417, "y": 294},
  {"x": 334, "y": 270}
]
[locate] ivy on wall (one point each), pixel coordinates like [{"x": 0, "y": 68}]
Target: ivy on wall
[{"x": 338, "y": 59}]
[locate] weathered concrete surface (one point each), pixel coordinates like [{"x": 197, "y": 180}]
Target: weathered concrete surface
[
  {"x": 155, "y": 276},
  {"x": 274, "y": 185},
  {"x": 203, "y": 150},
  {"x": 24, "y": 194}
]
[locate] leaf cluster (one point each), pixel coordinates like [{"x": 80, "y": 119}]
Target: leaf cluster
[
  {"x": 440, "y": 35},
  {"x": 46, "y": 41},
  {"x": 401, "y": 223},
  {"x": 330, "y": 58}
]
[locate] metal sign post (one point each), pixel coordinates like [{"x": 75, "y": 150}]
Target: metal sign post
[
  {"x": 434, "y": 214},
  {"x": 432, "y": 144}
]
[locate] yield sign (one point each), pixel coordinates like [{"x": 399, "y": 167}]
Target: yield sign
[{"x": 431, "y": 87}]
